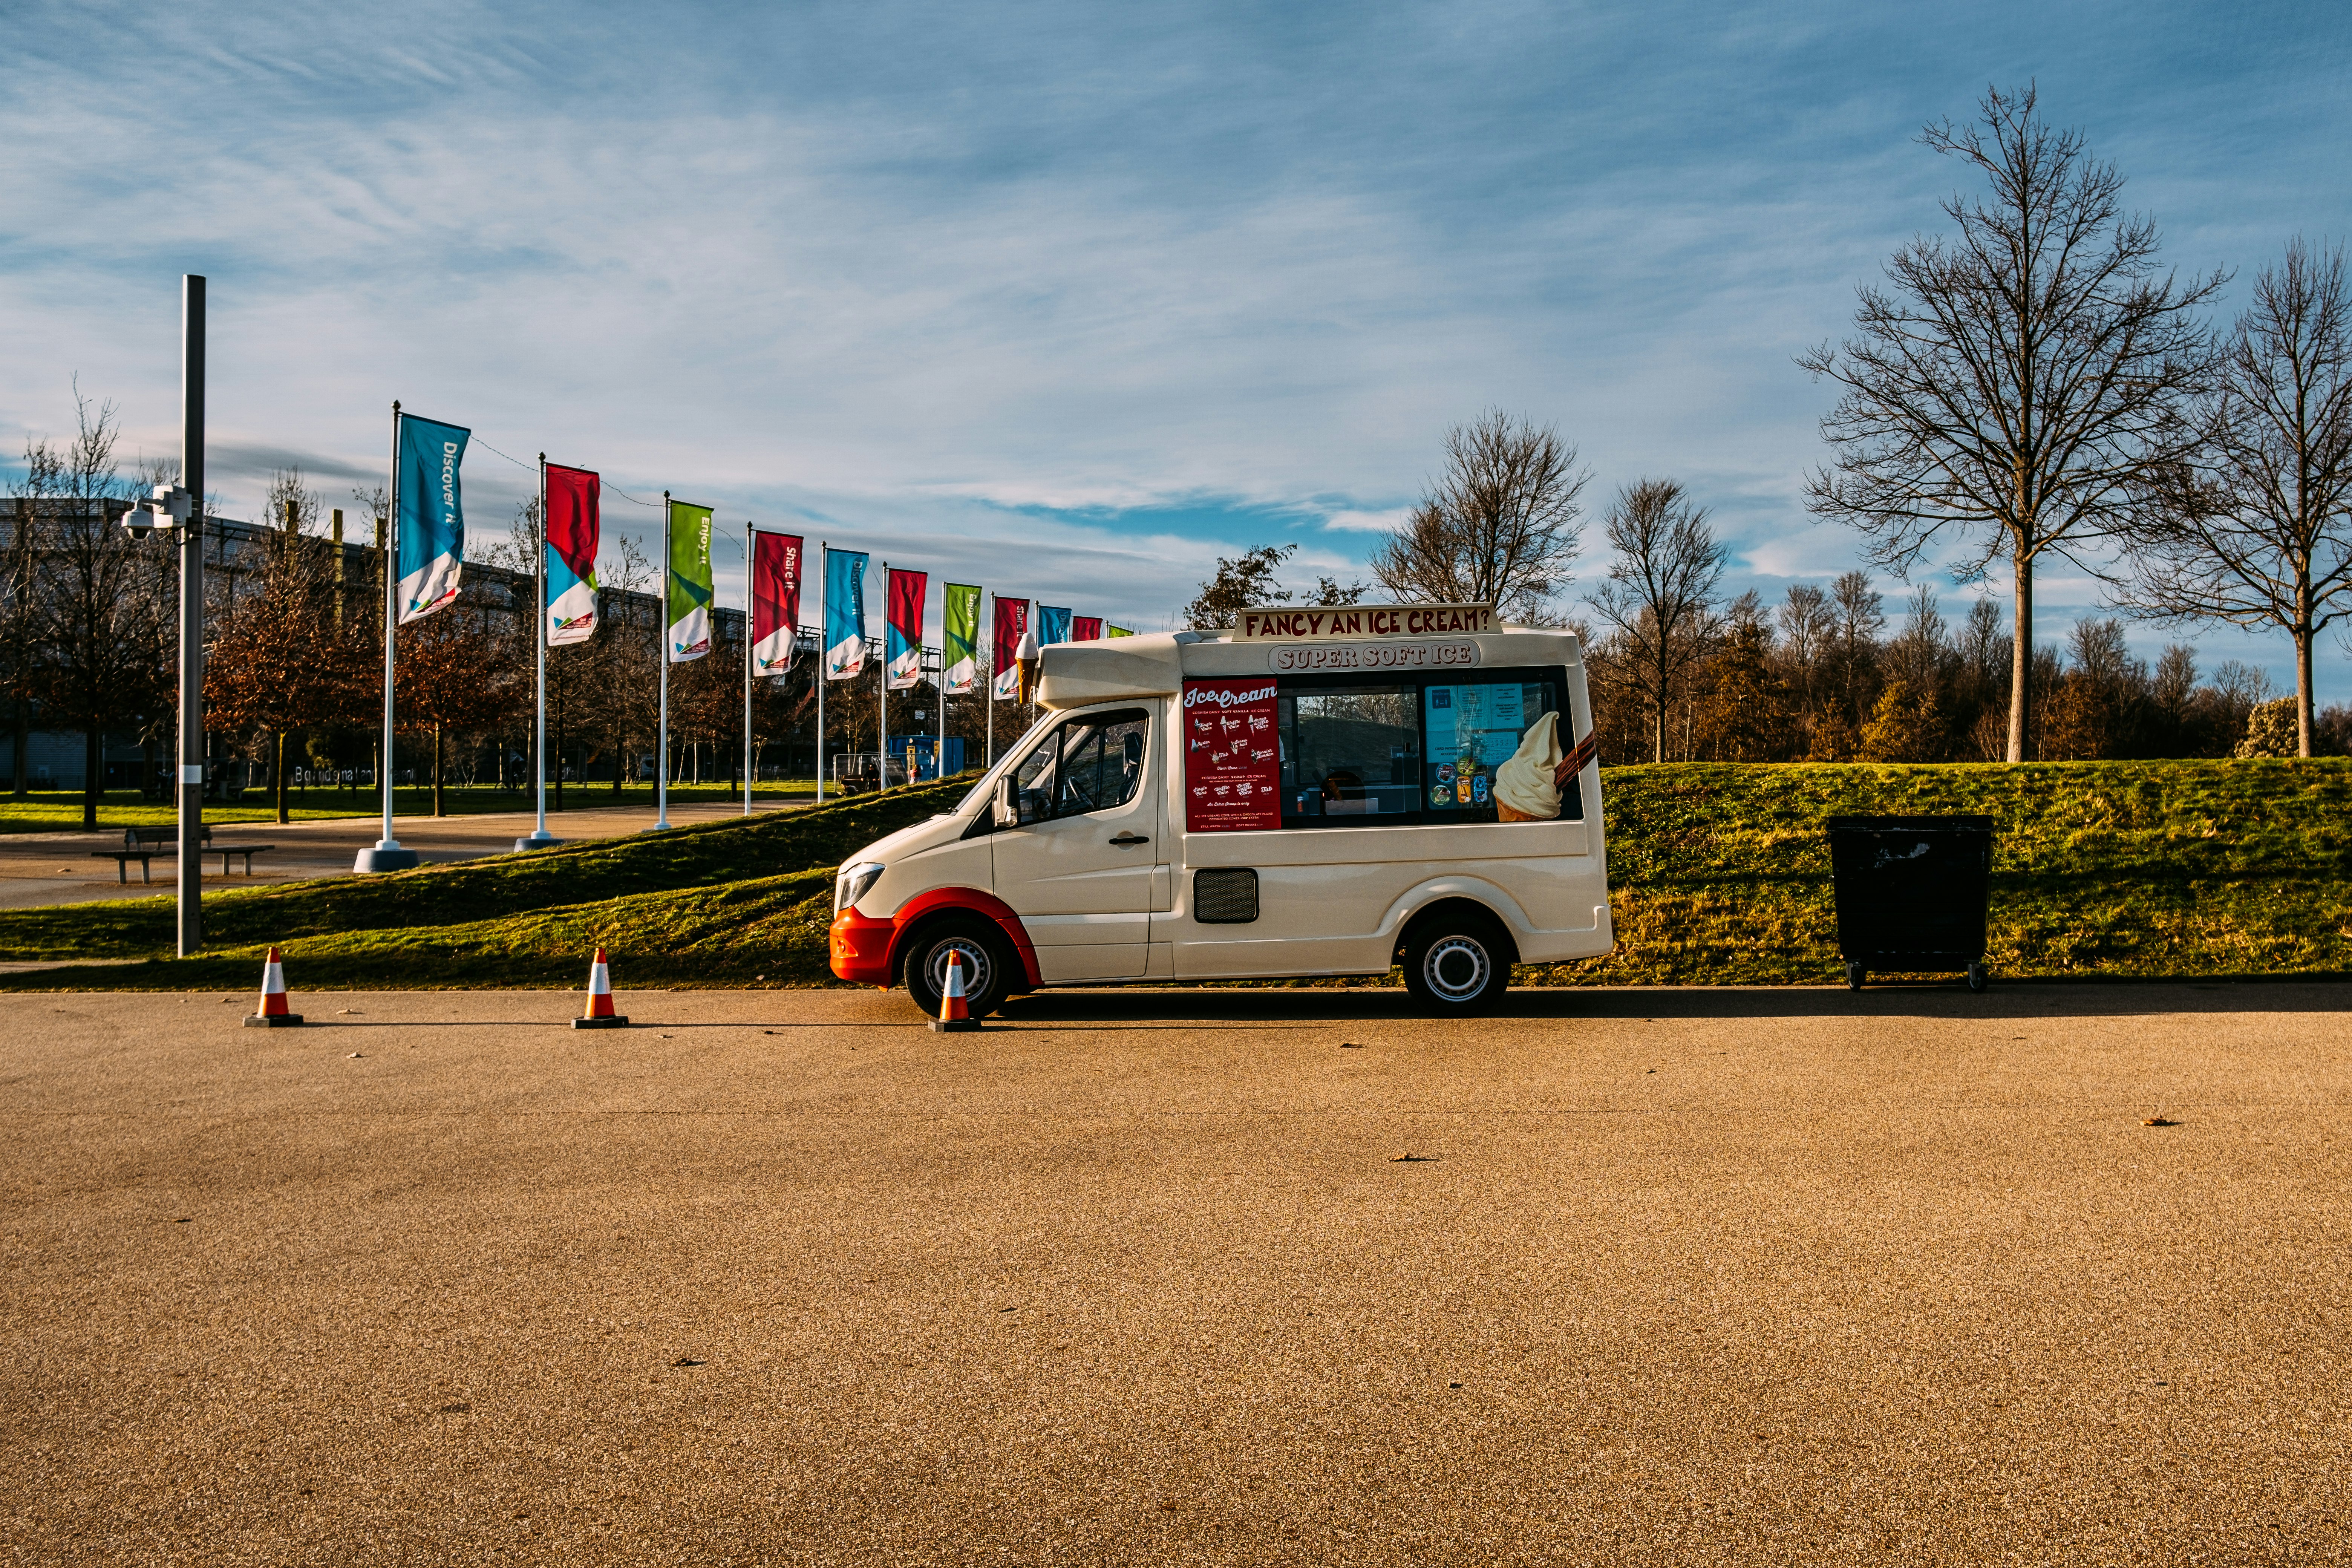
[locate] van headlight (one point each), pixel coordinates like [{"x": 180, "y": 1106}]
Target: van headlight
[{"x": 856, "y": 879}]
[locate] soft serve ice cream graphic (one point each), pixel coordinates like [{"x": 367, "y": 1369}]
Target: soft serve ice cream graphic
[{"x": 1527, "y": 788}]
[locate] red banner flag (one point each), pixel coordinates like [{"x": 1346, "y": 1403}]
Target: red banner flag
[
  {"x": 775, "y": 600},
  {"x": 903, "y": 628},
  {"x": 573, "y": 535},
  {"x": 1086, "y": 629},
  {"x": 1011, "y": 621}
]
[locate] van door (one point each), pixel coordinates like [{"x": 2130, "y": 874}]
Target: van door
[{"x": 1079, "y": 868}]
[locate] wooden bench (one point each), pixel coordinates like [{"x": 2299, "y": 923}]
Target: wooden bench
[{"x": 144, "y": 844}]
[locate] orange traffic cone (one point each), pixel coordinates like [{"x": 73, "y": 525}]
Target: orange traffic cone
[
  {"x": 600, "y": 1013},
  {"x": 273, "y": 1013},
  {"x": 955, "y": 1017}
]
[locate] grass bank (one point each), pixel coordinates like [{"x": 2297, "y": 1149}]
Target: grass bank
[
  {"x": 668, "y": 905},
  {"x": 1719, "y": 876},
  {"x": 1720, "y": 873},
  {"x": 61, "y": 811}
]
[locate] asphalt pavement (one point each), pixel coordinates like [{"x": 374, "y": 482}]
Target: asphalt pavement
[{"x": 2051, "y": 1275}]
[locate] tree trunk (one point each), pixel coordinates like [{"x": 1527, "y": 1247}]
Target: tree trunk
[
  {"x": 2020, "y": 662},
  {"x": 21, "y": 749},
  {"x": 558, "y": 779},
  {"x": 1658, "y": 708},
  {"x": 2302, "y": 691},
  {"x": 278, "y": 780},
  {"x": 437, "y": 773},
  {"x": 93, "y": 777}
]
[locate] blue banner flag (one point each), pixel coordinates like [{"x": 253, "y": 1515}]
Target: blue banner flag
[
  {"x": 1053, "y": 624},
  {"x": 844, "y": 613},
  {"x": 429, "y": 542}
]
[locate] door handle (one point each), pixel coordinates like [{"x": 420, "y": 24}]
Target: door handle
[{"x": 1128, "y": 840}]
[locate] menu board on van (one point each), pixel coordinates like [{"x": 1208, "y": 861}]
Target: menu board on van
[{"x": 1233, "y": 765}]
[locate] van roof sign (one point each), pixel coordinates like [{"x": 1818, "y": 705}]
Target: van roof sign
[{"x": 1287, "y": 622}]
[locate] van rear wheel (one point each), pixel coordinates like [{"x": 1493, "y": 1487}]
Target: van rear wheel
[
  {"x": 988, "y": 965},
  {"x": 1457, "y": 966}
]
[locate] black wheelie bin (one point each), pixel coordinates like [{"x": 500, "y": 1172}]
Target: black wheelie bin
[{"x": 1912, "y": 893}]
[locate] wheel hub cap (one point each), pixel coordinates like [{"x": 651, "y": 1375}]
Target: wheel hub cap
[{"x": 1456, "y": 968}]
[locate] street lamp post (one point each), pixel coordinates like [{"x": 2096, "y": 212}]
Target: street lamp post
[{"x": 177, "y": 510}]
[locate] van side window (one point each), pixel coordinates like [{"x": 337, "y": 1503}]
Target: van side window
[
  {"x": 1474, "y": 745},
  {"x": 1350, "y": 751},
  {"x": 1089, "y": 764}
]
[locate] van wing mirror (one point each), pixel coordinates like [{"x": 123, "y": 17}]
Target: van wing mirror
[{"x": 1004, "y": 813}]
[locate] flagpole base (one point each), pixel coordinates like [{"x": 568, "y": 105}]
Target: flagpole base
[
  {"x": 661, "y": 826},
  {"x": 266, "y": 1021},
  {"x": 387, "y": 856},
  {"x": 618, "y": 1021},
  {"x": 536, "y": 841}
]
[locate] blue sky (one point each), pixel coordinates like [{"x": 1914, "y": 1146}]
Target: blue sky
[{"x": 1070, "y": 300}]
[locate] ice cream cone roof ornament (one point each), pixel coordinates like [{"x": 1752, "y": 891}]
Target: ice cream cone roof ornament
[
  {"x": 1025, "y": 656},
  {"x": 1525, "y": 787}
]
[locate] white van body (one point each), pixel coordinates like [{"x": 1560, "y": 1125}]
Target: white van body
[{"x": 1140, "y": 888}]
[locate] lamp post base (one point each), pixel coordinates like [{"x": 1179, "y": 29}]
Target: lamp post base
[{"x": 387, "y": 856}]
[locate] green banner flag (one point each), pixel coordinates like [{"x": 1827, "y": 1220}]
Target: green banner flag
[
  {"x": 689, "y": 582},
  {"x": 1116, "y": 631},
  {"x": 961, "y": 626}
]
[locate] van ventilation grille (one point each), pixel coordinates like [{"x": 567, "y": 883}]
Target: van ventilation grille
[{"x": 1224, "y": 897}]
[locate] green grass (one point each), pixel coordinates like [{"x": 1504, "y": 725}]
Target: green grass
[
  {"x": 61, "y": 812},
  {"x": 1719, "y": 875},
  {"x": 665, "y": 897}
]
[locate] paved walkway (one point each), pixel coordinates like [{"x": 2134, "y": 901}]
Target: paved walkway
[
  {"x": 1224, "y": 1277},
  {"x": 39, "y": 868}
]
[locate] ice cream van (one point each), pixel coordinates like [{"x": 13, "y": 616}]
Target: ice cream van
[{"x": 1318, "y": 792}]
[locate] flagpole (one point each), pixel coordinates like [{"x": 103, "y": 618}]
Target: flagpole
[
  {"x": 825, "y": 580},
  {"x": 751, "y": 569},
  {"x": 882, "y": 694},
  {"x": 388, "y": 854},
  {"x": 940, "y": 757},
  {"x": 539, "y": 745},
  {"x": 988, "y": 685},
  {"x": 538, "y": 838},
  {"x": 661, "y": 762}
]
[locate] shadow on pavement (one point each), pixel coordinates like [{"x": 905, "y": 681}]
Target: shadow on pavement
[{"x": 2016, "y": 999}]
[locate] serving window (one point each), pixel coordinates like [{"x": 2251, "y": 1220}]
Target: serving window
[{"x": 1378, "y": 750}]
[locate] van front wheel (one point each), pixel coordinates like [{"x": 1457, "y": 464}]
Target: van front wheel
[
  {"x": 1457, "y": 966},
  {"x": 988, "y": 962}
]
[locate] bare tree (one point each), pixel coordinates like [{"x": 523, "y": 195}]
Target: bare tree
[
  {"x": 2256, "y": 527},
  {"x": 1499, "y": 527},
  {"x": 2013, "y": 386},
  {"x": 1660, "y": 590},
  {"x": 1805, "y": 625},
  {"x": 103, "y": 647}
]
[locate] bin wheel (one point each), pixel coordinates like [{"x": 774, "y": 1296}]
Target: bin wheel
[
  {"x": 1854, "y": 975},
  {"x": 1976, "y": 976}
]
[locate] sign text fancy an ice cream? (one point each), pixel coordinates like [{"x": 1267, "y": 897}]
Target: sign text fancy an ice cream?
[{"x": 1365, "y": 621}]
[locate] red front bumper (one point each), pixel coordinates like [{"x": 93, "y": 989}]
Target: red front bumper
[{"x": 861, "y": 947}]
